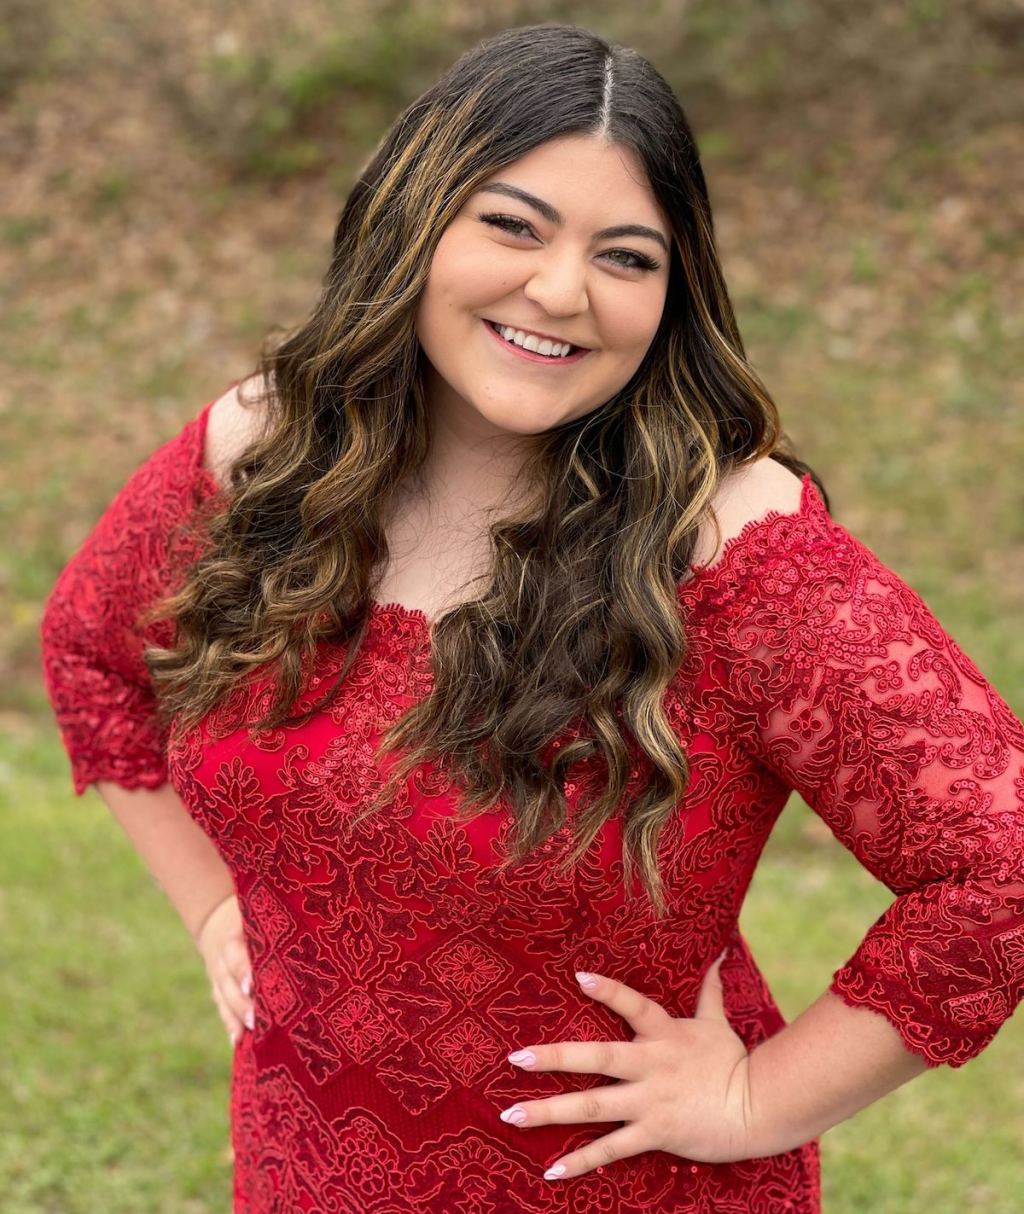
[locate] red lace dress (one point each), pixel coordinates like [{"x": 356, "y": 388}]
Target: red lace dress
[{"x": 392, "y": 977}]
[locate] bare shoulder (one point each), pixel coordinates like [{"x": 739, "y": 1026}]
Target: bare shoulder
[
  {"x": 235, "y": 421},
  {"x": 746, "y": 494}
]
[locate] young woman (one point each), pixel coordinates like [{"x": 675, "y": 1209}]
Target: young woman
[{"x": 474, "y": 643}]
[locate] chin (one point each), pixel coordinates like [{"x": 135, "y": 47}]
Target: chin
[{"x": 520, "y": 421}]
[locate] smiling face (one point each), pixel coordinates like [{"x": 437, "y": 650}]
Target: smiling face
[{"x": 568, "y": 242}]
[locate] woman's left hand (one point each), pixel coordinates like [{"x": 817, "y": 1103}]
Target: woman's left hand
[{"x": 685, "y": 1082}]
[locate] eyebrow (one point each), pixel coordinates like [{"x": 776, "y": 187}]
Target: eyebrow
[{"x": 553, "y": 216}]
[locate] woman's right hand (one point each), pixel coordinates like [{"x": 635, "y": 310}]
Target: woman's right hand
[{"x": 221, "y": 944}]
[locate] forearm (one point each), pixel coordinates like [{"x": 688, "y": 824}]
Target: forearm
[
  {"x": 827, "y": 1064},
  {"x": 179, "y": 854}
]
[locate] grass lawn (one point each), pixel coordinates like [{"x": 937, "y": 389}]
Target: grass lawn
[{"x": 117, "y": 1067}]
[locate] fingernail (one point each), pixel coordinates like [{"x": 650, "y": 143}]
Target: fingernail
[
  {"x": 514, "y": 1116},
  {"x": 555, "y": 1172},
  {"x": 586, "y": 980},
  {"x": 231, "y": 1037},
  {"x": 250, "y": 1020},
  {"x": 247, "y": 985},
  {"x": 523, "y": 1058}
]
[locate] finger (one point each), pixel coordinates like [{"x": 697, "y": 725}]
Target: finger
[
  {"x": 241, "y": 974},
  {"x": 619, "y": 1144},
  {"x": 237, "y": 955},
  {"x": 710, "y": 1000},
  {"x": 230, "y": 985},
  {"x": 643, "y": 1014},
  {"x": 232, "y": 1023},
  {"x": 615, "y": 1102},
  {"x": 620, "y": 1059}
]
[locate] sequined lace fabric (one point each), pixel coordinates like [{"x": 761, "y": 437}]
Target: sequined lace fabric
[{"x": 393, "y": 976}]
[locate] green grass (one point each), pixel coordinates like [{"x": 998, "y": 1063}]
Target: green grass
[{"x": 116, "y": 1066}]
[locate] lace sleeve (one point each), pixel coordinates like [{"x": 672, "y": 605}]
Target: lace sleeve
[
  {"x": 836, "y": 676},
  {"x": 91, "y": 645}
]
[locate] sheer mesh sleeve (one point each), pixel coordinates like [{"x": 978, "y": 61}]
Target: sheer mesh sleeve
[
  {"x": 836, "y": 676},
  {"x": 91, "y": 644}
]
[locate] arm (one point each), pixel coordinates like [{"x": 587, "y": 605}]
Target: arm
[
  {"x": 835, "y": 676},
  {"x": 92, "y": 640},
  {"x": 829, "y": 1063},
  {"x": 179, "y": 854},
  {"x": 93, "y": 636},
  {"x": 99, "y": 685}
]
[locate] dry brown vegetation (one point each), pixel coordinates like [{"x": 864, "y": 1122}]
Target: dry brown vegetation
[{"x": 175, "y": 172}]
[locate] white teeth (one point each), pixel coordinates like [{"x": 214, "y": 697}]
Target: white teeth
[{"x": 537, "y": 344}]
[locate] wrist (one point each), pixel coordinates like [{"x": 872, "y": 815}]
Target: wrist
[{"x": 197, "y": 929}]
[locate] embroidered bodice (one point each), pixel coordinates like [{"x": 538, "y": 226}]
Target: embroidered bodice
[{"x": 392, "y": 976}]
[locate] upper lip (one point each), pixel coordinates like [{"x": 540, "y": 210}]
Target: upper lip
[{"x": 547, "y": 336}]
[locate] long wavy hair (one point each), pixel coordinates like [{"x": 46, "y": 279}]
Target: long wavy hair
[{"x": 581, "y": 625}]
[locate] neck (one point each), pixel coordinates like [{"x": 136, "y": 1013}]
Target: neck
[{"x": 472, "y": 468}]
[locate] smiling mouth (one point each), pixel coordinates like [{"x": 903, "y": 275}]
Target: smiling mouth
[{"x": 574, "y": 355}]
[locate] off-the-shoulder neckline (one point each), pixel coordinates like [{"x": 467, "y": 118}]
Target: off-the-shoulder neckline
[{"x": 810, "y": 500}]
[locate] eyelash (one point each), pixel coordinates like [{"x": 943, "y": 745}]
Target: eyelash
[{"x": 640, "y": 260}]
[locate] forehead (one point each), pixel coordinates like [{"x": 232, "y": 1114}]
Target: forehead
[{"x": 585, "y": 175}]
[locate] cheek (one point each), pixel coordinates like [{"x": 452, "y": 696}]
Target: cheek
[
  {"x": 461, "y": 278},
  {"x": 628, "y": 316},
  {"x": 629, "y": 345}
]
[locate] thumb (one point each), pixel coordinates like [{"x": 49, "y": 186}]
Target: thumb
[{"x": 710, "y": 1002}]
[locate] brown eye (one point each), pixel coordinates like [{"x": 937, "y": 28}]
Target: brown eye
[
  {"x": 517, "y": 227},
  {"x": 506, "y": 223}
]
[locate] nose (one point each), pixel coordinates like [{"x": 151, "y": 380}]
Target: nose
[{"x": 558, "y": 284}]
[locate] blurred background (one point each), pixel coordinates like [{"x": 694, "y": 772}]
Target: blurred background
[{"x": 171, "y": 178}]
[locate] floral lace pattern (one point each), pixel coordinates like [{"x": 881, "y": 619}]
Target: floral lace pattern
[
  {"x": 833, "y": 674},
  {"x": 394, "y": 973}
]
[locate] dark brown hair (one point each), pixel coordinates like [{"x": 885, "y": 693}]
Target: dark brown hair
[{"x": 581, "y": 624}]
